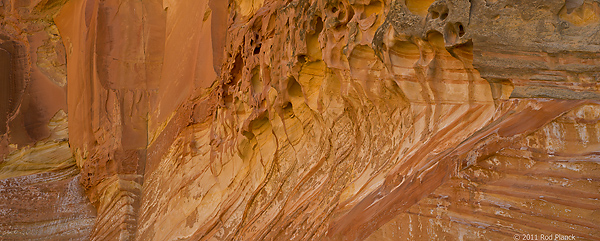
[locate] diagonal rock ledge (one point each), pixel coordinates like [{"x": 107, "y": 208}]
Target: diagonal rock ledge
[{"x": 299, "y": 119}]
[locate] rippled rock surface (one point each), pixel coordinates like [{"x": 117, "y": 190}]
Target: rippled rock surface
[{"x": 299, "y": 119}]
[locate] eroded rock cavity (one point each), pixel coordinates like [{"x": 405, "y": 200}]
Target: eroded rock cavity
[{"x": 300, "y": 119}]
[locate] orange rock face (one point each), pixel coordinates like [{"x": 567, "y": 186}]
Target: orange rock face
[{"x": 300, "y": 120}]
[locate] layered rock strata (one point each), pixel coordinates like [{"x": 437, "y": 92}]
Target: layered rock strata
[
  {"x": 303, "y": 119},
  {"x": 41, "y": 196}
]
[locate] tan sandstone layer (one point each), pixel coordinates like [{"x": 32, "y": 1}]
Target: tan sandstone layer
[{"x": 300, "y": 119}]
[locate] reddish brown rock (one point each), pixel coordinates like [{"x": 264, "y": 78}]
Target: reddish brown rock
[
  {"x": 41, "y": 196},
  {"x": 302, "y": 119},
  {"x": 33, "y": 77}
]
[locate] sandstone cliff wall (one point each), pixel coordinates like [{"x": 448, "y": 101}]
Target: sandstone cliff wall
[{"x": 299, "y": 119}]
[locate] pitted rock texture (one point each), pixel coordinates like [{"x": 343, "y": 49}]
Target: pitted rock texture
[
  {"x": 41, "y": 196},
  {"x": 304, "y": 119}
]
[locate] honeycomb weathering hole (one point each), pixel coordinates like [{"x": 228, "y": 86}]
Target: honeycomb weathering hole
[
  {"x": 444, "y": 16},
  {"x": 461, "y": 30}
]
